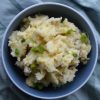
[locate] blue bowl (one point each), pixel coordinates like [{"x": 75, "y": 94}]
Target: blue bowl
[{"x": 84, "y": 72}]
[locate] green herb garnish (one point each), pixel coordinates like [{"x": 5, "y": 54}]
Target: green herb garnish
[
  {"x": 38, "y": 86},
  {"x": 74, "y": 54},
  {"x": 70, "y": 31},
  {"x": 23, "y": 40},
  {"x": 39, "y": 49},
  {"x": 33, "y": 66},
  {"x": 34, "y": 49},
  {"x": 84, "y": 38},
  {"x": 16, "y": 51},
  {"x": 34, "y": 85}
]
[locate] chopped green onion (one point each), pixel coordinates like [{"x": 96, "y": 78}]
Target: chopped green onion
[
  {"x": 84, "y": 38},
  {"x": 38, "y": 86},
  {"x": 33, "y": 66},
  {"x": 34, "y": 85},
  {"x": 34, "y": 49},
  {"x": 39, "y": 49},
  {"x": 74, "y": 54},
  {"x": 16, "y": 51},
  {"x": 70, "y": 31},
  {"x": 23, "y": 40}
]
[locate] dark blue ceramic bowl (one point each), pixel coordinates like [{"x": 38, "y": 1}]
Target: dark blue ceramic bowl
[{"x": 84, "y": 72}]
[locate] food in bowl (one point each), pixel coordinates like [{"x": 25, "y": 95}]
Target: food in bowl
[{"x": 48, "y": 50}]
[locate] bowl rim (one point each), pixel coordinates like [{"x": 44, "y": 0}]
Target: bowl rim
[{"x": 56, "y": 4}]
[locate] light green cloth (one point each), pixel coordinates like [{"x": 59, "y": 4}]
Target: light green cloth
[{"x": 9, "y": 8}]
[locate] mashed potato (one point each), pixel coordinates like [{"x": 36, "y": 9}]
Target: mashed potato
[{"x": 48, "y": 50}]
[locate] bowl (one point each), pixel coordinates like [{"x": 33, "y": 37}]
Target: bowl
[{"x": 83, "y": 73}]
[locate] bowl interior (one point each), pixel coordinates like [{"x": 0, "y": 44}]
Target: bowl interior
[{"x": 83, "y": 71}]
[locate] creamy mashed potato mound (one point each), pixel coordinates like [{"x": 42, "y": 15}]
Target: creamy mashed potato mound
[{"x": 48, "y": 50}]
